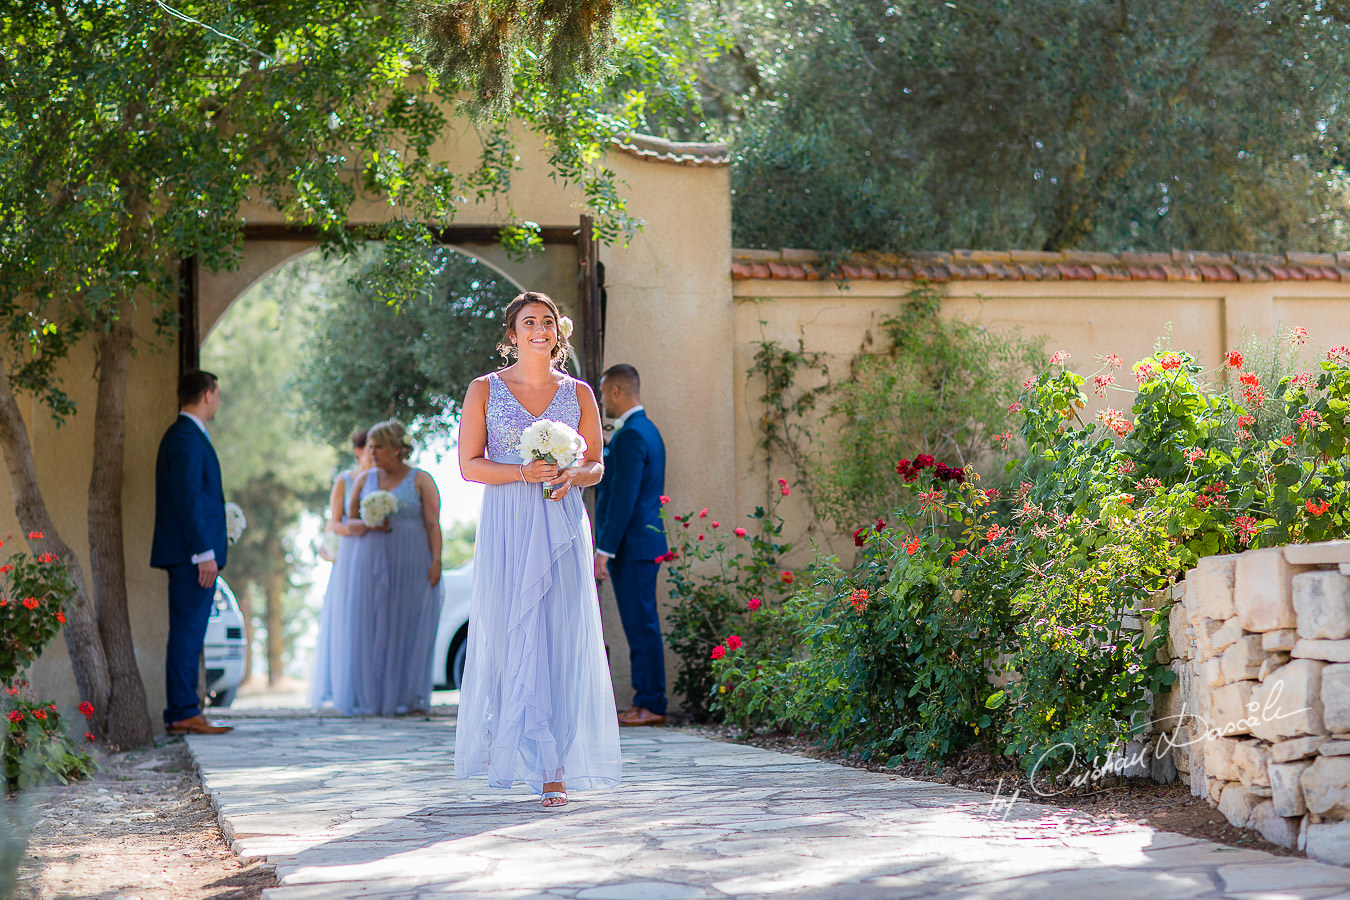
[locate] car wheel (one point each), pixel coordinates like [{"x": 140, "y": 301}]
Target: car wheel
[{"x": 456, "y": 666}]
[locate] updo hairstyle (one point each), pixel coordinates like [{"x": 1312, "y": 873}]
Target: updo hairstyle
[
  {"x": 390, "y": 434},
  {"x": 561, "y": 351}
]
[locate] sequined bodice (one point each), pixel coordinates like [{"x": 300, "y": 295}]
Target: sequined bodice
[{"x": 506, "y": 418}]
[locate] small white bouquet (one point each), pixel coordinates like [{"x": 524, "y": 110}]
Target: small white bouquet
[
  {"x": 235, "y": 523},
  {"x": 553, "y": 442},
  {"x": 377, "y": 507}
]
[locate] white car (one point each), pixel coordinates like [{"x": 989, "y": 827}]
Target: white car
[
  {"x": 452, "y": 635},
  {"x": 224, "y": 651}
]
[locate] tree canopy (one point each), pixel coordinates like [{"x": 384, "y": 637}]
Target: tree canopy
[{"x": 1052, "y": 124}]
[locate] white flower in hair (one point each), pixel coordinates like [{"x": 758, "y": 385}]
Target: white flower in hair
[{"x": 565, "y": 327}]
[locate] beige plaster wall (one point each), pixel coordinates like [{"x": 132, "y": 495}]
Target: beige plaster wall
[
  {"x": 64, "y": 458},
  {"x": 1088, "y": 319}
]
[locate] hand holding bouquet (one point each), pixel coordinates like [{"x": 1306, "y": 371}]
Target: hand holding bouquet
[
  {"x": 553, "y": 442},
  {"x": 377, "y": 507},
  {"x": 235, "y": 523}
]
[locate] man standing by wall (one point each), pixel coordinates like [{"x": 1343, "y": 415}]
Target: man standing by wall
[
  {"x": 630, "y": 535},
  {"x": 190, "y": 544}
]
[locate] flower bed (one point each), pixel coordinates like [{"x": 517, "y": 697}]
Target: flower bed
[{"x": 1033, "y": 619}]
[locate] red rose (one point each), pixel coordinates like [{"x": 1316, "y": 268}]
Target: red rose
[
  {"x": 718, "y": 652},
  {"x": 787, "y": 577},
  {"x": 755, "y": 603},
  {"x": 740, "y": 532},
  {"x": 734, "y": 642},
  {"x": 664, "y": 499},
  {"x": 860, "y": 536},
  {"x": 703, "y": 513},
  {"x": 714, "y": 524},
  {"x": 783, "y": 486}
]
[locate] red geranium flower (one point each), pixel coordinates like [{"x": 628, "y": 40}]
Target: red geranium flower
[
  {"x": 787, "y": 577},
  {"x": 89, "y": 736},
  {"x": 39, "y": 714},
  {"x": 912, "y": 547},
  {"x": 30, "y": 602},
  {"x": 35, "y": 535},
  {"x": 87, "y": 709},
  {"x": 4, "y": 569},
  {"x": 47, "y": 558},
  {"x": 1317, "y": 509},
  {"x": 956, "y": 557},
  {"x": 15, "y": 716},
  {"x": 859, "y": 600},
  {"x": 1250, "y": 379},
  {"x": 1233, "y": 359},
  {"x": 664, "y": 499},
  {"x": 1287, "y": 440},
  {"x": 60, "y": 617}
]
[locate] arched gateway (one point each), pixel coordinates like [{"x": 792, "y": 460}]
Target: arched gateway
[{"x": 660, "y": 302}]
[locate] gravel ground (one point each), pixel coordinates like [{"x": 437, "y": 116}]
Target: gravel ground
[{"x": 140, "y": 828}]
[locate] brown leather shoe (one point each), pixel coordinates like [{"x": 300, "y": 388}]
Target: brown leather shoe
[
  {"x": 198, "y": 724},
  {"x": 639, "y": 716}
]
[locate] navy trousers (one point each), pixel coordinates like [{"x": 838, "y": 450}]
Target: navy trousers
[
  {"x": 635, "y": 592},
  {"x": 189, "y": 612}
]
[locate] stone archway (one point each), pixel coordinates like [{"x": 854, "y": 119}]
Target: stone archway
[{"x": 669, "y": 311}]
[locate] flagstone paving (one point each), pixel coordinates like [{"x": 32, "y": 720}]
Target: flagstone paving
[{"x": 370, "y": 808}]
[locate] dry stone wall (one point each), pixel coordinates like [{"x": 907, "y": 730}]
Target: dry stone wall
[{"x": 1258, "y": 721}]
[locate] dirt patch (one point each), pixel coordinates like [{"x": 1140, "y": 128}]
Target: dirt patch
[
  {"x": 1166, "y": 807},
  {"x": 140, "y": 828}
]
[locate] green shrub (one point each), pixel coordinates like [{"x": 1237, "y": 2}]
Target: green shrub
[
  {"x": 34, "y": 747},
  {"x": 1032, "y": 618}
]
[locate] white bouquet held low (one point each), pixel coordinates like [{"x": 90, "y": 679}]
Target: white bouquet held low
[
  {"x": 377, "y": 507},
  {"x": 553, "y": 442},
  {"x": 235, "y": 523}
]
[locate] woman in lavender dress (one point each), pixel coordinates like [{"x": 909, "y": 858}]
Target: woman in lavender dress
[
  {"x": 333, "y": 679},
  {"x": 398, "y": 566},
  {"x": 537, "y": 705}
]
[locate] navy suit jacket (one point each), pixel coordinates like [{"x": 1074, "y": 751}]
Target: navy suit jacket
[
  {"x": 189, "y": 498},
  {"x": 628, "y": 499}
]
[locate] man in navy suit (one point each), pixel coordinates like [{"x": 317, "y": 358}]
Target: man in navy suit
[
  {"x": 190, "y": 544},
  {"x": 630, "y": 536}
]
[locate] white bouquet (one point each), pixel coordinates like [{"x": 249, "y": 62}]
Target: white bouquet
[
  {"x": 235, "y": 523},
  {"x": 377, "y": 507},
  {"x": 553, "y": 442}
]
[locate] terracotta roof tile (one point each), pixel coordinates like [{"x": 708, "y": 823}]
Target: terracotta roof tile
[
  {"x": 1039, "y": 265},
  {"x": 649, "y": 147}
]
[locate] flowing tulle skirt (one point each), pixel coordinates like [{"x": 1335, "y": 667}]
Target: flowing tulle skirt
[
  {"x": 344, "y": 666},
  {"x": 537, "y": 704},
  {"x": 377, "y": 628},
  {"x": 409, "y": 611}
]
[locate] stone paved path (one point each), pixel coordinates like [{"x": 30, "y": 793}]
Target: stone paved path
[{"x": 348, "y": 808}]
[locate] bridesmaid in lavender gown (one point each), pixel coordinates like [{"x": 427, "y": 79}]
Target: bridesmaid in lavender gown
[
  {"x": 398, "y": 566},
  {"x": 334, "y": 677},
  {"x": 536, "y": 705}
]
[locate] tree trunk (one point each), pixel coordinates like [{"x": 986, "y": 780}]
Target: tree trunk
[
  {"x": 128, "y": 721},
  {"x": 245, "y": 597},
  {"x": 82, "y": 638},
  {"x": 275, "y": 643}
]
